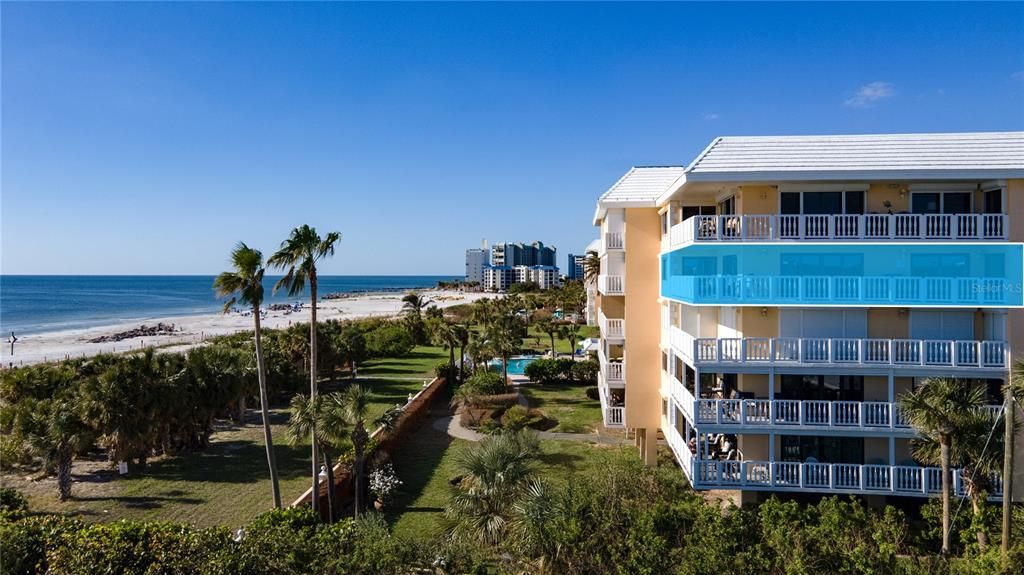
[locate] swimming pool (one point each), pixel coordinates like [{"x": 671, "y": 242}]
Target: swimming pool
[{"x": 516, "y": 365}]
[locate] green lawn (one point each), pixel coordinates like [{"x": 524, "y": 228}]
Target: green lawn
[
  {"x": 419, "y": 363},
  {"x": 227, "y": 483},
  {"x": 569, "y": 404},
  {"x": 540, "y": 342},
  {"x": 426, "y": 464}
]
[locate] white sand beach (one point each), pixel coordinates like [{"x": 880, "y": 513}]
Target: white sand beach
[{"x": 190, "y": 330}]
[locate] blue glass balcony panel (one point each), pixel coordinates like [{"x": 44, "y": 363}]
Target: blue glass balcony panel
[{"x": 976, "y": 275}]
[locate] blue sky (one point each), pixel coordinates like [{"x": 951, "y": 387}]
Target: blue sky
[{"x": 149, "y": 138}]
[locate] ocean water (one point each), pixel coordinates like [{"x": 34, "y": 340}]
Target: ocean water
[{"x": 40, "y": 304}]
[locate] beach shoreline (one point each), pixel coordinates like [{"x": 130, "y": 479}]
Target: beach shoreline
[{"x": 191, "y": 330}]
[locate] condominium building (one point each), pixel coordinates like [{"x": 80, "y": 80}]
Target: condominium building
[
  {"x": 476, "y": 260},
  {"x": 519, "y": 254},
  {"x": 517, "y": 262},
  {"x": 763, "y": 307}
]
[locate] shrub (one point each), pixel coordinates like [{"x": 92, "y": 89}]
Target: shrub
[
  {"x": 585, "y": 372},
  {"x": 593, "y": 393},
  {"x": 389, "y": 341},
  {"x": 516, "y": 417},
  {"x": 441, "y": 370},
  {"x": 483, "y": 383},
  {"x": 550, "y": 370},
  {"x": 12, "y": 500}
]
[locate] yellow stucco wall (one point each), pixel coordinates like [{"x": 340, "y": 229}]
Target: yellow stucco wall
[
  {"x": 876, "y": 388},
  {"x": 887, "y": 323},
  {"x": 642, "y": 312},
  {"x": 755, "y": 446},
  {"x": 613, "y": 306},
  {"x": 876, "y": 450},
  {"x": 754, "y": 382},
  {"x": 878, "y": 193},
  {"x": 753, "y": 324},
  {"x": 757, "y": 200},
  {"x": 1014, "y": 204}
]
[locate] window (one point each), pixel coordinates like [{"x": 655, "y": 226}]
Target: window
[
  {"x": 823, "y": 449},
  {"x": 845, "y": 202},
  {"x": 690, "y": 211},
  {"x": 994, "y": 201},
  {"x": 822, "y": 387},
  {"x": 940, "y": 202},
  {"x": 727, "y": 207}
]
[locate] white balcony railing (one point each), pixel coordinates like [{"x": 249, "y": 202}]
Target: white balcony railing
[
  {"x": 858, "y": 227},
  {"x": 614, "y": 416},
  {"x": 611, "y": 328},
  {"x": 920, "y": 290},
  {"x": 614, "y": 241},
  {"x": 828, "y": 477},
  {"x": 614, "y": 372},
  {"x": 851, "y": 352},
  {"x": 611, "y": 285},
  {"x": 794, "y": 412}
]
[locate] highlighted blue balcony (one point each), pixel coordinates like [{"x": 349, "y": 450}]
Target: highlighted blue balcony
[{"x": 989, "y": 275}]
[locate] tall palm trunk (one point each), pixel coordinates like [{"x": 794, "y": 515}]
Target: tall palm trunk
[
  {"x": 451, "y": 363},
  {"x": 976, "y": 507},
  {"x": 268, "y": 440},
  {"x": 462, "y": 364},
  {"x": 944, "y": 441},
  {"x": 64, "y": 457},
  {"x": 312, "y": 387},
  {"x": 553, "y": 353},
  {"x": 331, "y": 505},
  {"x": 359, "y": 439},
  {"x": 1009, "y": 413}
]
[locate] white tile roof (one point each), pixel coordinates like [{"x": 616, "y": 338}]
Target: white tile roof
[
  {"x": 640, "y": 187},
  {"x": 642, "y": 184},
  {"x": 993, "y": 155}
]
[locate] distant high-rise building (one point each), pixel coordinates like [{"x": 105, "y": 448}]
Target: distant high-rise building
[
  {"x": 516, "y": 262},
  {"x": 574, "y": 267},
  {"x": 476, "y": 261}
]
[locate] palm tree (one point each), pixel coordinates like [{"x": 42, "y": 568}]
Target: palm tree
[
  {"x": 977, "y": 450},
  {"x": 549, "y": 326},
  {"x": 591, "y": 267},
  {"x": 446, "y": 335},
  {"x": 937, "y": 410},
  {"x": 298, "y": 255},
  {"x": 352, "y": 407},
  {"x": 244, "y": 284},
  {"x": 571, "y": 331},
  {"x": 462, "y": 335},
  {"x": 414, "y": 305},
  {"x": 59, "y": 433},
  {"x": 1013, "y": 393},
  {"x": 319, "y": 418},
  {"x": 496, "y": 473}
]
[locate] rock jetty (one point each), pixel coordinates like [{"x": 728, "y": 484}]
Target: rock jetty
[{"x": 141, "y": 331}]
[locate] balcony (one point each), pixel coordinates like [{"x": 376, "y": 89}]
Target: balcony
[
  {"x": 611, "y": 285},
  {"x": 613, "y": 372},
  {"x": 827, "y": 478},
  {"x": 613, "y": 415},
  {"x": 789, "y": 413},
  {"x": 611, "y": 328},
  {"x": 614, "y": 241},
  {"x": 841, "y": 227},
  {"x": 890, "y": 353}
]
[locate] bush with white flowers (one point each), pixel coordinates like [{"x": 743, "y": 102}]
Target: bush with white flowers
[{"x": 384, "y": 482}]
